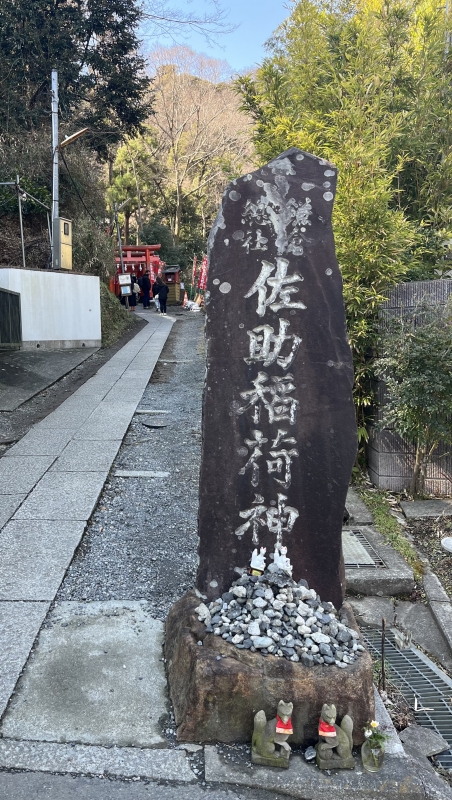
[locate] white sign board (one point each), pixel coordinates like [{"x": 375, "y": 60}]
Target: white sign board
[{"x": 124, "y": 280}]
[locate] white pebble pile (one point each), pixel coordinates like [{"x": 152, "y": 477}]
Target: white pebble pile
[{"x": 276, "y": 616}]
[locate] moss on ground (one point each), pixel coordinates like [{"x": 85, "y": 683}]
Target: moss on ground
[
  {"x": 116, "y": 320},
  {"x": 390, "y": 529}
]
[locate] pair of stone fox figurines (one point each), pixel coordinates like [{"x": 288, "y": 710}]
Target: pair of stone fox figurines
[{"x": 269, "y": 745}]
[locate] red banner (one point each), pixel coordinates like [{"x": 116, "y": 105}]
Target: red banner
[
  {"x": 202, "y": 281},
  {"x": 193, "y": 274}
]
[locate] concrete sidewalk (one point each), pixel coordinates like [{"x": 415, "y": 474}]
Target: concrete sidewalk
[
  {"x": 24, "y": 373},
  {"x": 49, "y": 485}
]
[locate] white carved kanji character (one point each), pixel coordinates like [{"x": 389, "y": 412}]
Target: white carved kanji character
[
  {"x": 252, "y": 464},
  {"x": 247, "y": 242},
  {"x": 282, "y": 464},
  {"x": 260, "y": 286},
  {"x": 281, "y": 518},
  {"x": 261, "y": 241},
  {"x": 282, "y": 436},
  {"x": 280, "y": 285},
  {"x": 274, "y": 398},
  {"x": 281, "y": 406},
  {"x": 255, "y": 517},
  {"x": 263, "y": 337}
]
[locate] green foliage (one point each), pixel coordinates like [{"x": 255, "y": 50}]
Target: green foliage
[
  {"x": 134, "y": 173},
  {"x": 192, "y": 242},
  {"x": 366, "y": 86},
  {"x": 417, "y": 369},
  {"x": 390, "y": 529},
  {"x": 82, "y": 199},
  {"x": 93, "y": 45},
  {"x": 8, "y": 198},
  {"x": 156, "y": 232},
  {"x": 92, "y": 249},
  {"x": 115, "y": 319}
]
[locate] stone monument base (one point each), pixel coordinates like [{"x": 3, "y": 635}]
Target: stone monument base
[
  {"x": 216, "y": 688},
  {"x": 280, "y": 760},
  {"x": 335, "y": 762}
]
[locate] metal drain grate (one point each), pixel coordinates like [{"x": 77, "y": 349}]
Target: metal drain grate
[
  {"x": 415, "y": 675},
  {"x": 352, "y": 558}
]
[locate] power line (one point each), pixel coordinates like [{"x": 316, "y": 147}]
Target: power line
[{"x": 77, "y": 191}]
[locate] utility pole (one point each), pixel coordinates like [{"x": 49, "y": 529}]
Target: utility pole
[
  {"x": 55, "y": 188},
  {"x": 118, "y": 233},
  {"x": 58, "y": 232},
  {"x": 19, "y": 200}
]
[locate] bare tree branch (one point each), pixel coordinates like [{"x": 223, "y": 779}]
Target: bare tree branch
[
  {"x": 203, "y": 136},
  {"x": 161, "y": 19}
]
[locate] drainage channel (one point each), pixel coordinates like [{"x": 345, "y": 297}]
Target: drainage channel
[
  {"x": 416, "y": 676},
  {"x": 358, "y": 551}
]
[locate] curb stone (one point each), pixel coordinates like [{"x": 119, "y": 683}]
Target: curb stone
[
  {"x": 155, "y": 764},
  {"x": 303, "y": 781},
  {"x": 440, "y": 605}
]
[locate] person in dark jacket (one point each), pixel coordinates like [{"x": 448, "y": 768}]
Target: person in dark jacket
[
  {"x": 161, "y": 290},
  {"x": 146, "y": 289},
  {"x": 135, "y": 290}
]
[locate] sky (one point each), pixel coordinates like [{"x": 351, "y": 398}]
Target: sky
[{"x": 244, "y": 47}]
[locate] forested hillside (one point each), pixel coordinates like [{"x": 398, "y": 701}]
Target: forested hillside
[{"x": 164, "y": 130}]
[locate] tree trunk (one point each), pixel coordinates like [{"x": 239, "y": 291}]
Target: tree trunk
[
  {"x": 204, "y": 224},
  {"x": 110, "y": 182},
  {"x": 422, "y": 477},
  {"x": 178, "y": 215},
  {"x": 416, "y": 471},
  {"x": 423, "y": 453},
  {"x": 127, "y": 227},
  {"x": 140, "y": 224}
]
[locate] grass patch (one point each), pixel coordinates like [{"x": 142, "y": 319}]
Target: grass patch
[
  {"x": 116, "y": 320},
  {"x": 390, "y": 529}
]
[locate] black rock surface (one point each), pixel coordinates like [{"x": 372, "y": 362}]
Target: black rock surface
[{"x": 279, "y": 430}]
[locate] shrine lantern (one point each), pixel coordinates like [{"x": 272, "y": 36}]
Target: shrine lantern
[{"x": 171, "y": 276}]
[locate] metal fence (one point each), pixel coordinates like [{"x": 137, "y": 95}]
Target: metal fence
[
  {"x": 10, "y": 322},
  {"x": 391, "y": 458}
]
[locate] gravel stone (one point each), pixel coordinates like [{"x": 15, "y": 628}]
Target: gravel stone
[{"x": 141, "y": 541}]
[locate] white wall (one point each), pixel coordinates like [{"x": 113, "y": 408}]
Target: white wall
[{"x": 58, "y": 309}]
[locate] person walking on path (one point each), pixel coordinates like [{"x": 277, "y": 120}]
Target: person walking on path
[
  {"x": 146, "y": 289},
  {"x": 135, "y": 291},
  {"x": 160, "y": 291}
]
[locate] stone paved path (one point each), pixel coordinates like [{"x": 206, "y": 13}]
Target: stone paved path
[{"x": 49, "y": 485}]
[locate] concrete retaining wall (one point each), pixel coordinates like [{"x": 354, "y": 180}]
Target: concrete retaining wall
[
  {"x": 58, "y": 309},
  {"x": 391, "y": 458}
]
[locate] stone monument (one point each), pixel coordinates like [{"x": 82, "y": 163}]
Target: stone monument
[
  {"x": 279, "y": 430},
  {"x": 279, "y": 442}
]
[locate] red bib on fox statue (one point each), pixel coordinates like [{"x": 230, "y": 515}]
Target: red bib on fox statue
[
  {"x": 325, "y": 729},
  {"x": 284, "y": 727}
]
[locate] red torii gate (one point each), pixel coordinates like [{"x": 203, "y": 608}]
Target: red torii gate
[{"x": 137, "y": 259}]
